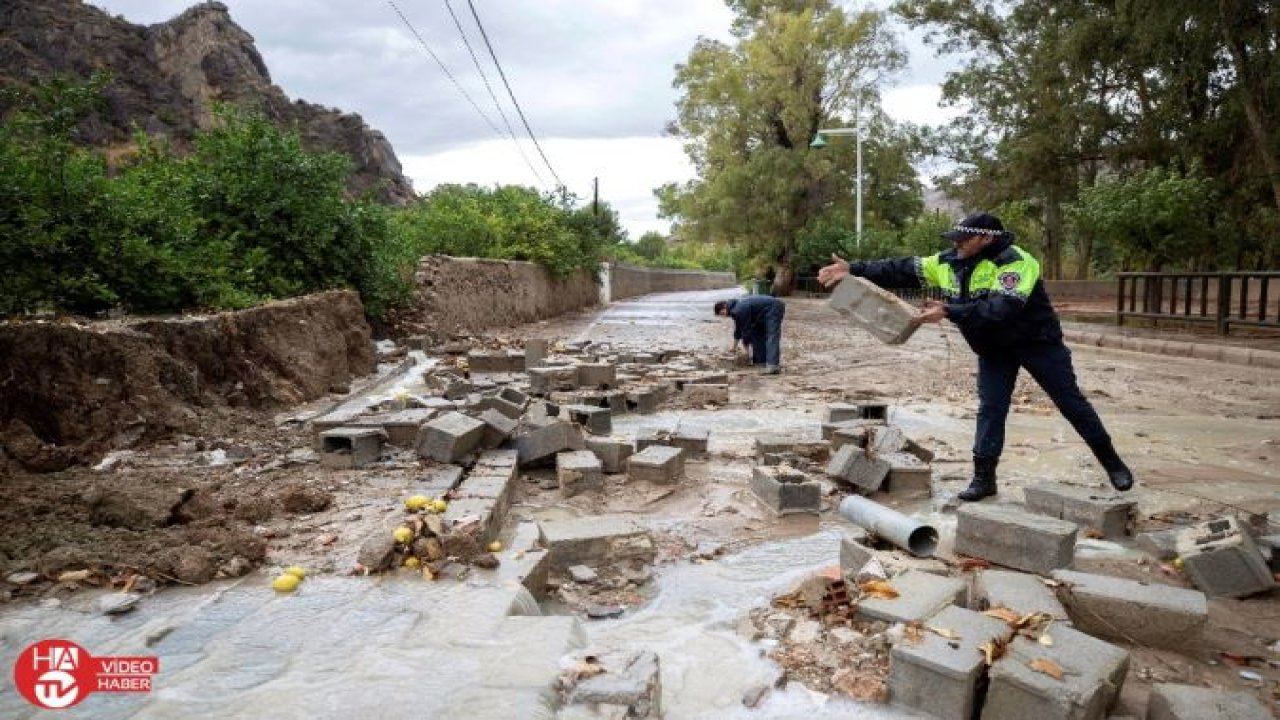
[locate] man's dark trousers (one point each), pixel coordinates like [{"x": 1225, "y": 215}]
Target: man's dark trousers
[
  {"x": 1050, "y": 365},
  {"x": 773, "y": 335}
]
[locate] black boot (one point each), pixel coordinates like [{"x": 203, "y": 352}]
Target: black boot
[
  {"x": 1117, "y": 472},
  {"x": 984, "y": 480}
]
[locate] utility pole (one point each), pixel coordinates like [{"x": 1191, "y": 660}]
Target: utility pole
[
  {"x": 858, "y": 230},
  {"x": 595, "y": 197}
]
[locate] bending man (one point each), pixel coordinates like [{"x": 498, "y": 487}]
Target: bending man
[
  {"x": 757, "y": 323},
  {"x": 994, "y": 294}
]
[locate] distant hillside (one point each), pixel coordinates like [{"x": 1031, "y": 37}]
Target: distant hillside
[{"x": 167, "y": 78}]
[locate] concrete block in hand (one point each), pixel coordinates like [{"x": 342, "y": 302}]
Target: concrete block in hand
[{"x": 888, "y": 318}]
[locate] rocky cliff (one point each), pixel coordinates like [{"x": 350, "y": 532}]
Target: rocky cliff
[{"x": 167, "y": 78}]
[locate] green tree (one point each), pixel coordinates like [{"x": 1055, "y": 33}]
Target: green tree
[
  {"x": 748, "y": 110},
  {"x": 651, "y": 245}
]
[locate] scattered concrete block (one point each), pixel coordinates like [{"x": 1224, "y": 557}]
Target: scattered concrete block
[
  {"x": 1009, "y": 536},
  {"x": 786, "y": 490},
  {"x": 878, "y": 412},
  {"x": 578, "y": 471},
  {"x": 853, "y": 465},
  {"x": 535, "y": 351},
  {"x": 647, "y": 359},
  {"x": 486, "y": 512},
  {"x": 505, "y": 459},
  {"x": 1106, "y": 512},
  {"x": 1222, "y": 559},
  {"x": 940, "y": 677},
  {"x": 450, "y": 437},
  {"x": 497, "y": 428},
  {"x": 907, "y": 474},
  {"x": 595, "y": 541},
  {"x": 597, "y": 375},
  {"x": 542, "y": 442},
  {"x": 840, "y": 412},
  {"x": 923, "y": 453},
  {"x": 1188, "y": 702},
  {"x": 596, "y": 420},
  {"x": 921, "y": 595},
  {"x": 706, "y": 394},
  {"x": 1160, "y": 544},
  {"x": 1093, "y": 672},
  {"x": 774, "y": 444},
  {"x": 1020, "y": 592},
  {"x": 854, "y": 555},
  {"x": 457, "y": 389},
  {"x": 692, "y": 440},
  {"x": 1271, "y": 545},
  {"x": 498, "y": 403},
  {"x": 350, "y": 447},
  {"x": 644, "y": 400},
  {"x": 631, "y": 683},
  {"x": 650, "y": 436},
  {"x": 885, "y": 439},
  {"x": 613, "y": 452},
  {"x": 658, "y": 464},
  {"x": 401, "y": 428},
  {"x": 544, "y": 380},
  {"x": 1129, "y": 611},
  {"x": 487, "y": 362},
  {"x": 514, "y": 396},
  {"x": 887, "y": 317},
  {"x": 848, "y": 435},
  {"x": 437, "y": 481}
]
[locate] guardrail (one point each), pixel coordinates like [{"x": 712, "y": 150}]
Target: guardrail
[{"x": 1224, "y": 299}]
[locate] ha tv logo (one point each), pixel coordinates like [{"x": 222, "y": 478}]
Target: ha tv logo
[{"x": 57, "y": 674}]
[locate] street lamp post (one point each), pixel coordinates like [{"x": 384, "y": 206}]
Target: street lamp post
[{"x": 820, "y": 142}]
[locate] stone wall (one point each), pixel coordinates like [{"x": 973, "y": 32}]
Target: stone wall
[{"x": 626, "y": 281}]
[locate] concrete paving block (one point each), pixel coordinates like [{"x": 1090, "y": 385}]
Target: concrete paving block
[
  {"x": 450, "y": 437},
  {"x": 578, "y": 471},
  {"x": 921, "y": 595},
  {"x": 541, "y": 442},
  {"x": 1009, "y": 536},
  {"x": 1160, "y": 544},
  {"x": 853, "y": 465},
  {"x": 506, "y": 459},
  {"x": 514, "y": 396},
  {"x": 1188, "y": 702},
  {"x": 350, "y": 447},
  {"x": 692, "y": 440},
  {"x": 1093, "y": 672},
  {"x": 840, "y": 412},
  {"x": 497, "y": 402},
  {"x": 632, "y": 681},
  {"x": 887, "y": 317},
  {"x": 487, "y": 362},
  {"x": 886, "y": 439},
  {"x": 650, "y": 436},
  {"x": 658, "y": 464},
  {"x": 596, "y": 541},
  {"x": 786, "y": 490},
  {"x": 595, "y": 420},
  {"x": 907, "y": 474},
  {"x": 612, "y": 451},
  {"x": 1104, "y": 511},
  {"x": 401, "y": 427},
  {"x": 601, "y": 376},
  {"x": 436, "y": 481},
  {"x": 486, "y": 510},
  {"x": 774, "y": 444},
  {"x": 645, "y": 400},
  {"x": 941, "y": 677},
  {"x": 548, "y": 379},
  {"x": 1129, "y": 611},
  {"x": 705, "y": 394},
  {"x": 1222, "y": 559},
  {"x": 497, "y": 428},
  {"x": 1022, "y": 593}
]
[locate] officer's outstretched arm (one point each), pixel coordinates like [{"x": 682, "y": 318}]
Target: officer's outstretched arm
[{"x": 893, "y": 273}]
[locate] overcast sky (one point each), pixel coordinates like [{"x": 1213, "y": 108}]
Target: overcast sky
[{"x": 593, "y": 78}]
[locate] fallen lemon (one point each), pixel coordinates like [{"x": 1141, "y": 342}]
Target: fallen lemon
[
  {"x": 402, "y": 535},
  {"x": 298, "y": 572},
  {"x": 416, "y": 502},
  {"x": 1177, "y": 563},
  {"x": 412, "y": 562},
  {"x": 286, "y": 583},
  {"x": 495, "y": 546},
  {"x": 439, "y": 505}
]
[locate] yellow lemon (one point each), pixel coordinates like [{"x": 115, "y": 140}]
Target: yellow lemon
[
  {"x": 439, "y": 505},
  {"x": 402, "y": 535},
  {"x": 495, "y": 546},
  {"x": 298, "y": 572},
  {"x": 286, "y": 583},
  {"x": 1177, "y": 563},
  {"x": 416, "y": 502},
  {"x": 412, "y": 562}
]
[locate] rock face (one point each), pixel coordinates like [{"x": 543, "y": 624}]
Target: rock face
[{"x": 167, "y": 78}]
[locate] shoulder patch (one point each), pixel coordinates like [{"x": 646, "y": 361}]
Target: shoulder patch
[{"x": 1010, "y": 280}]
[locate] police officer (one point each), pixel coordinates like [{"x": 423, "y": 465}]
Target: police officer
[
  {"x": 994, "y": 294},
  {"x": 757, "y": 323}
]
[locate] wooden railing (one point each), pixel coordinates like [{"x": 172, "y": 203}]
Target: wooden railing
[{"x": 1224, "y": 299}]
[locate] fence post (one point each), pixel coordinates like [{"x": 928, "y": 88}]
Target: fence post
[
  {"x": 1224, "y": 303},
  {"x": 1120, "y": 300}
]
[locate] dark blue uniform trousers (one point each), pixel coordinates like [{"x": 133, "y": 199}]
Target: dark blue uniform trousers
[
  {"x": 766, "y": 337},
  {"x": 1050, "y": 365}
]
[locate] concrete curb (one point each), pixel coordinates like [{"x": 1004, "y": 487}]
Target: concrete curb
[{"x": 1232, "y": 354}]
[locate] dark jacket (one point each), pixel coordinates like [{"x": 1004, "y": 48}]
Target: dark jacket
[
  {"x": 749, "y": 315},
  {"x": 996, "y": 298}
]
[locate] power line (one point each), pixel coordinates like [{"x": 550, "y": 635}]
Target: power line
[
  {"x": 452, "y": 79},
  {"x": 476, "y": 61},
  {"x": 511, "y": 93}
]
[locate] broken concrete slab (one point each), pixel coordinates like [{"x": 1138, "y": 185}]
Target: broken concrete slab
[
  {"x": 596, "y": 420},
  {"x": 541, "y": 443},
  {"x": 435, "y": 482},
  {"x": 1093, "y": 672},
  {"x": 578, "y": 471},
  {"x": 497, "y": 428},
  {"x": 350, "y": 447},
  {"x": 401, "y": 428},
  {"x": 693, "y": 441},
  {"x": 548, "y": 379},
  {"x": 885, "y": 439},
  {"x": 1129, "y": 611},
  {"x": 921, "y": 595},
  {"x": 1009, "y": 536},
  {"x": 657, "y": 464},
  {"x": 1160, "y": 544},
  {"x": 853, "y": 465},
  {"x": 612, "y": 451},
  {"x": 774, "y": 444},
  {"x": 450, "y": 437},
  {"x": 1188, "y": 702},
  {"x": 1108, "y": 513},
  {"x": 645, "y": 400},
  {"x": 1022, "y": 593},
  {"x": 596, "y": 541},
  {"x": 785, "y": 490},
  {"x": 907, "y": 474},
  {"x": 1222, "y": 559},
  {"x": 941, "y": 676},
  {"x": 631, "y": 682}
]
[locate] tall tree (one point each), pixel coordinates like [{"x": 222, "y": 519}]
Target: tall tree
[{"x": 748, "y": 110}]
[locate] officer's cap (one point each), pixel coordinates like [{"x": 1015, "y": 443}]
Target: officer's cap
[{"x": 976, "y": 224}]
